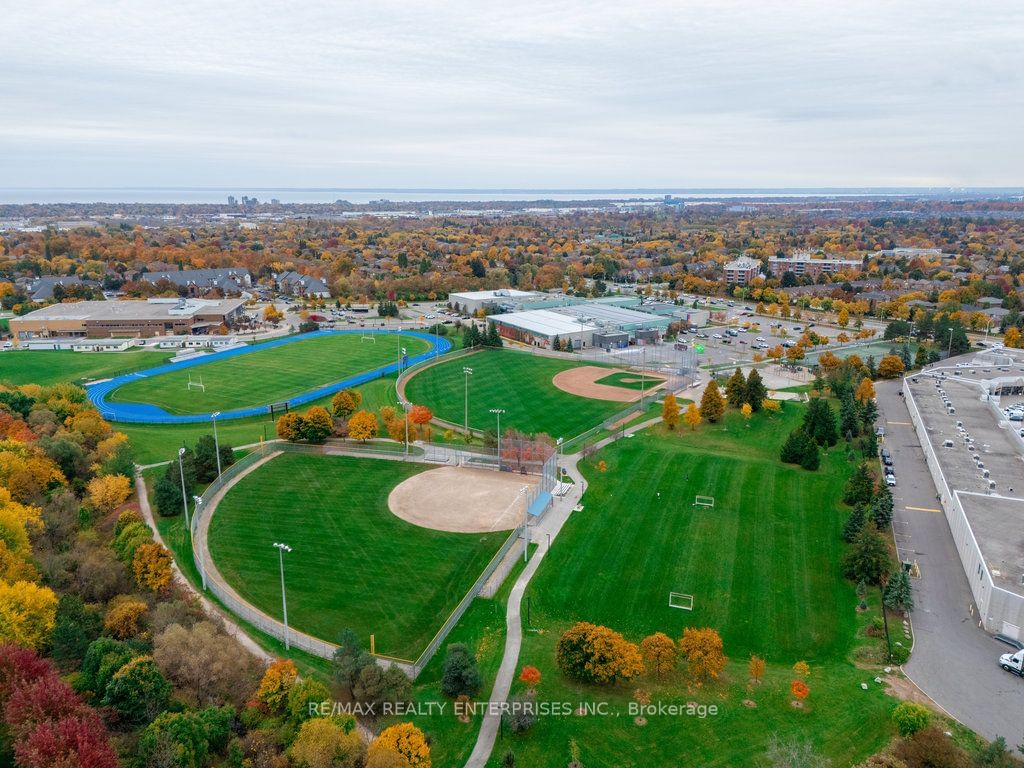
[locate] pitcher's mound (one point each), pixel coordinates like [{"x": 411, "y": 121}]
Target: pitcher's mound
[{"x": 461, "y": 500}]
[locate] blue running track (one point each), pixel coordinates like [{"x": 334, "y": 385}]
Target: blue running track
[{"x": 145, "y": 413}]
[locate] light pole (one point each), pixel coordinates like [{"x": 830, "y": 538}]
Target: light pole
[
  {"x": 184, "y": 496},
  {"x": 202, "y": 560},
  {"x": 526, "y": 525},
  {"x": 405, "y": 410},
  {"x": 467, "y": 372},
  {"x": 497, "y": 412},
  {"x": 281, "y": 549},
  {"x": 216, "y": 442},
  {"x": 949, "y": 352}
]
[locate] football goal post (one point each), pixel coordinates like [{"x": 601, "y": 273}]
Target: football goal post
[
  {"x": 680, "y": 600},
  {"x": 704, "y": 501},
  {"x": 196, "y": 384},
  {"x": 368, "y": 337}
]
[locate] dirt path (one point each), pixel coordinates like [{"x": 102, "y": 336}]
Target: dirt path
[{"x": 582, "y": 381}]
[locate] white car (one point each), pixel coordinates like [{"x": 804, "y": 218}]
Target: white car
[
  {"x": 760, "y": 339},
  {"x": 716, "y": 336},
  {"x": 890, "y": 480}
]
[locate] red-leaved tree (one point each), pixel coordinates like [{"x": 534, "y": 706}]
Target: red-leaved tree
[{"x": 79, "y": 741}]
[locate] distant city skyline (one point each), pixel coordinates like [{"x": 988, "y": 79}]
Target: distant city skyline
[{"x": 545, "y": 95}]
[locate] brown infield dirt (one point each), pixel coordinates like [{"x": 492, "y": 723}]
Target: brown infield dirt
[
  {"x": 582, "y": 381},
  {"x": 461, "y": 500}
]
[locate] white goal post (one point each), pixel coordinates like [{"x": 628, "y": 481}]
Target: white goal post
[
  {"x": 680, "y": 600},
  {"x": 704, "y": 501},
  {"x": 196, "y": 384}
]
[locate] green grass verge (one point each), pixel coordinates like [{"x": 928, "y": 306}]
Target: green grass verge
[
  {"x": 266, "y": 376},
  {"x": 354, "y": 563},
  {"x": 52, "y": 367},
  {"x": 518, "y": 382}
]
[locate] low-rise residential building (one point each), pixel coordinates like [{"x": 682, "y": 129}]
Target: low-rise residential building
[
  {"x": 297, "y": 284},
  {"x": 42, "y": 288},
  {"x": 103, "y": 319},
  {"x": 804, "y": 264},
  {"x": 197, "y": 282},
  {"x": 742, "y": 271}
]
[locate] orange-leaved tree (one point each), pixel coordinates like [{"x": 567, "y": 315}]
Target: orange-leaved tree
[
  {"x": 597, "y": 654},
  {"x": 670, "y": 411},
  {"x": 692, "y": 416},
  {"x": 702, "y": 649},
  {"x": 406, "y": 740},
  {"x": 276, "y": 684},
  {"x": 865, "y": 391},
  {"x": 362, "y": 426},
  {"x": 756, "y": 667},
  {"x": 659, "y": 652},
  {"x": 712, "y": 405}
]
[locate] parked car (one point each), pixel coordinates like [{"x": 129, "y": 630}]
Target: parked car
[
  {"x": 887, "y": 461},
  {"x": 885, "y": 453},
  {"x": 890, "y": 480}
]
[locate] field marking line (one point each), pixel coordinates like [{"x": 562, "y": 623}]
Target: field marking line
[
  {"x": 900, "y": 423},
  {"x": 922, "y": 509}
]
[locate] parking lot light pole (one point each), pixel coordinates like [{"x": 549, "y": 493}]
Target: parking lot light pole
[
  {"x": 281, "y": 549},
  {"x": 216, "y": 442}
]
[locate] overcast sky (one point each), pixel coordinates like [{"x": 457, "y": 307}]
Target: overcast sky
[{"x": 512, "y": 94}]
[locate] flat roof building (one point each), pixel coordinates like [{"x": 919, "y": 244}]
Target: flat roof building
[
  {"x": 580, "y": 324},
  {"x": 505, "y": 299},
  {"x": 104, "y": 319},
  {"x": 742, "y": 270},
  {"x": 803, "y": 264}
]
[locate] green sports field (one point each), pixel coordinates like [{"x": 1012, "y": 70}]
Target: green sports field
[
  {"x": 518, "y": 382},
  {"x": 51, "y": 367},
  {"x": 629, "y": 380},
  {"x": 763, "y": 566},
  {"x": 354, "y": 563},
  {"x": 267, "y": 376}
]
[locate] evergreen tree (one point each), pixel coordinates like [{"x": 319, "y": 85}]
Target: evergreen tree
[
  {"x": 820, "y": 422},
  {"x": 868, "y": 414},
  {"x": 493, "y": 338},
  {"x": 206, "y": 458},
  {"x": 872, "y": 367},
  {"x": 899, "y": 594},
  {"x": 853, "y": 524},
  {"x": 921, "y": 358},
  {"x": 556, "y": 344},
  {"x": 756, "y": 390},
  {"x": 860, "y": 488},
  {"x": 881, "y": 508},
  {"x": 470, "y": 336},
  {"x": 868, "y": 559},
  {"x": 793, "y": 449},
  {"x": 849, "y": 418},
  {"x": 811, "y": 459},
  {"x": 460, "y": 674},
  {"x": 905, "y": 356},
  {"x": 736, "y": 389}
]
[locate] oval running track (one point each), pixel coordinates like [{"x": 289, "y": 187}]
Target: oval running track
[{"x": 147, "y": 413}]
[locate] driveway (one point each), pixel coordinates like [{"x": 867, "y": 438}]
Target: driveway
[{"x": 954, "y": 661}]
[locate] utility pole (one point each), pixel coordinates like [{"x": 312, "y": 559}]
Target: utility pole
[{"x": 497, "y": 412}]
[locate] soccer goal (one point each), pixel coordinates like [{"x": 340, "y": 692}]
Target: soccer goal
[
  {"x": 680, "y": 600},
  {"x": 370, "y": 337},
  {"x": 196, "y": 384},
  {"x": 704, "y": 501}
]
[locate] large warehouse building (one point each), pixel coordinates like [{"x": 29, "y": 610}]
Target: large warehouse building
[
  {"x": 104, "y": 319},
  {"x": 591, "y": 324}
]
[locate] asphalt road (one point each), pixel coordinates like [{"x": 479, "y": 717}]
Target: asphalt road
[{"x": 954, "y": 661}]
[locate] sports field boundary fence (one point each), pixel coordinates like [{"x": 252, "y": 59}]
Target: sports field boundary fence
[{"x": 212, "y": 581}]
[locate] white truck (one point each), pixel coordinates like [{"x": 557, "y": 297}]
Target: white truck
[{"x": 1013, "y": 662}]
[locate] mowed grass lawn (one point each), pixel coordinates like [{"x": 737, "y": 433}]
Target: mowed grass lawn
[
  {"x": 629, "y": 380},
  {"x": 518, "y": 382},
  {"x": 763, "y": 566},
  {"x": 52, "y": 367},
  {"x": 267, "y": 376},
  {"x": 354, "y": 563}
]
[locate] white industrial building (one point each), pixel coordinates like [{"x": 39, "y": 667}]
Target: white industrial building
[{"x": 503, "y": 299}]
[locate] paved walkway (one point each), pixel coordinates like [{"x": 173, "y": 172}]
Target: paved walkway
[
  {"x": 549, "y": 526},
  {"x": 953, "y": 661}
]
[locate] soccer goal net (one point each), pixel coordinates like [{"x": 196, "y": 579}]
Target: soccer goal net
[
  {"x": 704, "y": 501},
  {"x": 196, "y": 384},
  {"x": 368, "y": 337},
  {"x": 680, "y": 600}
]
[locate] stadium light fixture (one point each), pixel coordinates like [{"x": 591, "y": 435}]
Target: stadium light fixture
[
  {"x": 497, "y": 412},
  {"x": 184, "y": 496},
  {"x": 216, "y": 442},
  {"x": 467, "y": 372},
  {"x": 281, "y": 549}
]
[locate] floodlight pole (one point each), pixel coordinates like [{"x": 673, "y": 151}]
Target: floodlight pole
[
  {"x": 216, "y": 442},
  {"x": 405, "y": 410},
  {"x": 202, "y": 560},
  {"x": 281, "y": 549},
  {"x": 949, "y": 352},
  {"x": 467, "y": 372},
  {"x": 643, "y": 374},
  {"x": 497, "y": 412},
  {"x": 184, "y": 496},
  {"x": 526, "y": 526}
]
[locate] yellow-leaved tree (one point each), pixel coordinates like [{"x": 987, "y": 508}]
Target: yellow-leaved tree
[
  {"x": 865, "y": 391},
  {"x": 151, "y": 566},
  {"x": 692, "y": 416},
  {"x": 27, "y": 613},
  {"x": 404, "y": 739},
  {"x": 670, "y": 411},
  {"x": 276, "y": 684},
  {"x": 659, "y": 652},
  {"x": 362, "y": 426},
  {"x": 703, "y": 652},
  {"x": 322, "y": 743},
  {"x": 109, "y": 492}
]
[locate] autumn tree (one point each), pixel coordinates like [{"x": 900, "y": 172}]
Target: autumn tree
[
  {"x": 659, "y": 653},
  {"x": 205, "y": 665},
  {"x": 317, "y": 424},
  {"x": 670, "y": 411},
  {"x": 78, "y": 740},
  {"x": 865, "y": 391},
  {"x": 406, "y": 740},
  {"x": 345, "y": 402},
  {"x": 272, "y": 314},
  {"x": 322, "y": 743},
  {"x": 756, "y": 668},
  {"x": 290, "y": 426},
  {"x": 1012, "y": 338},
  {"x": 692, "y": 416},
  {"x": 747, "y": 411},
  {"x": 772, "y": 406},
  {"x": 108, "y": 493},
  {"x": 362, "y": 426},
  {"x": 703, "y": 652},
  {"x": 420, "y": 415},
  {"x": 276, "y": 685},
  {"x": 597, "y": 654},
  {"x": 124, "y": 618},
  {"x": 27, "y": 613},
  {"x": 151, "y": 566},
  {"x": 530, "y": 676},
  {"x": 891, "y": 367},
  {"x": 712, "y": 406},
  {"x": 137, "y": 691},
  {"x": 844, "y": 318}
]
